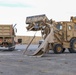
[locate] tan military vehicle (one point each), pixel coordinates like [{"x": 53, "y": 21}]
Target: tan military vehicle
[
  {"x": 7, "y": 34},
  {"x": 57, "y": 35}
]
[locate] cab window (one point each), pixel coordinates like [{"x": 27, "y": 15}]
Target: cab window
[
  {"x": 70, "y": 27},
  {"x": 59, "y": 27}
]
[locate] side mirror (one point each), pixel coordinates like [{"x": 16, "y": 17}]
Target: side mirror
[
  {"x": 15, "y": 30},
  {"x": 14, "y": 25}
]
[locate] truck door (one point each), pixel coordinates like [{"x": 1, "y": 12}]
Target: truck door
[{"x": 69, "y": 31}]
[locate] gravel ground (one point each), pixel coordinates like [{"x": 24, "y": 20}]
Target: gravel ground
[{"x": 15, "y": 63}]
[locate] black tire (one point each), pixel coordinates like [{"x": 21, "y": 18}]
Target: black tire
[
  {"x": 58, "y": 48},
  {"x": 63, "y": 50},
  {"x": 72, "y": 48}
]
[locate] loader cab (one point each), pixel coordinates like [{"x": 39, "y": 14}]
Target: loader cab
[
  {"x": 65, "y": 37},
  {"x": 67, "y": 30}
]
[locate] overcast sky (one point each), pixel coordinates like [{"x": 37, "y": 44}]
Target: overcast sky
[{"x": 16, "y": 11}]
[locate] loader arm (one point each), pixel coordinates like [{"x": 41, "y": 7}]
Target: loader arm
[{"x": 44, "y": 47}]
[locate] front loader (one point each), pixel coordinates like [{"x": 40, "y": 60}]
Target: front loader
[{"x": 57, "y": 35}]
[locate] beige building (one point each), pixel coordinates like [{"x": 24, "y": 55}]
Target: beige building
[{"x": 27, "y": 39}]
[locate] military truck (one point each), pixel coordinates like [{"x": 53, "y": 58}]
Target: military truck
[
  {"x": 7, "y": 34},
  {"x": 58, "y": 36}
]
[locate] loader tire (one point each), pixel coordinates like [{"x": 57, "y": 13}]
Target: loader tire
[
  {"x": 58, "y": 49},
  {"x": 63, "y": 50},
  {"x": 72, "y": 48}
]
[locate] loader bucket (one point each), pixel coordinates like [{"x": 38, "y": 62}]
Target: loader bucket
[
  {"x": 34, "y": 22},
  {"x": 35, "y": 19}
]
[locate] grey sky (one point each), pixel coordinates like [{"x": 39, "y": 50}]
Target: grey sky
[{"x": 16, "y": 11}]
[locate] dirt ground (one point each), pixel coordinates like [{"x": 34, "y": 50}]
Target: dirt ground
[{"x": 15, "y": 63}]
